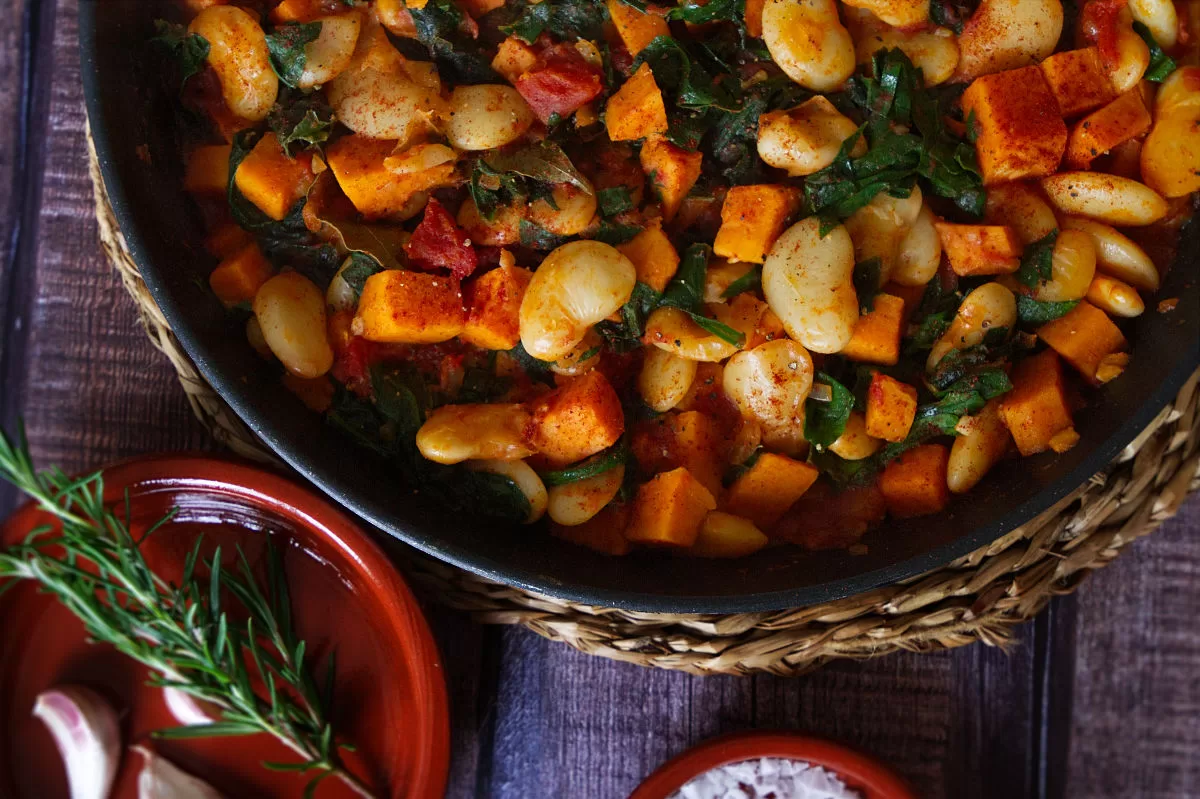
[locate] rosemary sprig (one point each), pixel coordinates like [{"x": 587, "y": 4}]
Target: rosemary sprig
[{"x": 95, "y": 567}]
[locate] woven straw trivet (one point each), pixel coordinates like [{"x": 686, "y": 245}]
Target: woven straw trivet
[{"x": 980, "y": 597}]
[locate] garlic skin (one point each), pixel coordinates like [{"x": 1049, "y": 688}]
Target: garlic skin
[
  {"x": 88, "y": 737},
  {"x": 187, "y": 709},
  {"x": 162, "y": 779}
]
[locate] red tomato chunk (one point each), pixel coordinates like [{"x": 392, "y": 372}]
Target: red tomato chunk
[
  {"x": 561, "y": 83},
  {"x": 438, "y": 243}
]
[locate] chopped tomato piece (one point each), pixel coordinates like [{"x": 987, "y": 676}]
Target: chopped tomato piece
[
  {"x": 561, "y": 83},
  {"x": 352, "y": 364},
  {"x": 439, "y": 243},
  {"x": 1099, "y": 24}
]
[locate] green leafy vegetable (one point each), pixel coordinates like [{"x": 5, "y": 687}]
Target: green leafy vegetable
[
  {"x": 597, "y": 464},
  {"x": 536, "y": 237},
  {"x": 678, "y": 73},
  {"x": 614, "y": 201},
  {"x": 301, "y": 123},
  {"x": 626, "y": 335},
  {"x": 824, "y": 422},
  {"x": 565, "y": 19},
  {"x": 868, "y": 282},
  {"x": 189, "y": 50},
  {"x": 492, "y": 189},
  {"x": 686, "y": 292},
  {"x": 439, "y": 29},
  {"x": 360, "y": 267},
  {"x": 951, "y": 13},
  {"x": 697, "y": 13},
  {"x": 286, "y": 47},
  {"x": 613, "y": 233},
  {"x": 1037, "y": 262},
  {"x": 544, "y": 162},
  {"x": 1161, "y": 64},
  {"x": 751, "y": 281},
  {"x": 1032, "y": 313}
]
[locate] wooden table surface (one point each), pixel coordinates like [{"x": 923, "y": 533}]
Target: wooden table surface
[{"x": 1100, "y": 696}]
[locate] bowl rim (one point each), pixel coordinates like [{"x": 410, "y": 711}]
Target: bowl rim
[
  {"x": 862, "y": 772},
  {"x": 237, "y": 395},
  {"x": 275, "y": 493}
]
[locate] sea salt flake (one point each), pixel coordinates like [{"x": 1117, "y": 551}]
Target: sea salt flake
[{"x": 767, "y": 778}]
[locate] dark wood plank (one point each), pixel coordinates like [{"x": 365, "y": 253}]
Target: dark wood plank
[
  {"x": 1136, "y": 723},
  {"x": 13, "y": 54}
]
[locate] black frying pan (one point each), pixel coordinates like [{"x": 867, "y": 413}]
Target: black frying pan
[{"x": 163, "y": 232}]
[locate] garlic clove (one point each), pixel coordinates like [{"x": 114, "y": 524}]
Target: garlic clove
[
  {"x": 187, "y": 709},
  {"x": 88, "y": 737},
  {"x": 162, "y": 779}
]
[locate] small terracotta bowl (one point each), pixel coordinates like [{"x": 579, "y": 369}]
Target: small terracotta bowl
[
  {"x": 390, "y": 692},
  {"x": 867, "y": 776}
]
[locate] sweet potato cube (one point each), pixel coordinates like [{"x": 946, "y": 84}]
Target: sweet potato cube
[
  {"x": 224, "y": 240},
  {"x": 271, "y": 180},
  {"x": 696, "y": 443},
  {"x": 915, "y": 483},
  {"x": 493, "y": 301},
  {"x": 825, "y": 518},
  {"x": 672, "y": 172},
  {"x": 767, "y": 489},
  {"x": 1037, "y": 410},
  {"x": 653, "y": 256},
  {"x": 1021, "y": 131},
  {"x": 1078, "y": 80},
  {"x": 751, "y": 219},
  {"x": 753, "y": 17},
  {"x": 604, "y": 532},
  {"x": 877, "y": 333},
  {"x": 980, "y": 249},
  {"x": 636, "y": 110},
  {"x": 669, "y": 510},
  {"x": 577, "y": 420},
  {"x": 514, "y": 59},
  {"x": 636, "y": 28},
  {"x": 239, "y": 277},
  {"x": 910, "y": 295},
  {"x": 208, "y": 170},
  {"x": 1084, "y": 337},
  {"x": 377, "y": 192},
  {"x": 1123, "y": 119},
  {"x": 401, "y": 307},
  {"x": 475, "y": 8},
  {"x": 298, "y": 11},
  {"x": 891, "y": 408},
  {"x": 723, "y": 535}
]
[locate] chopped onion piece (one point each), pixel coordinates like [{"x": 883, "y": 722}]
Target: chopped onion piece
[
  {"x": 88, "y": 737},
  {"x": 187, "y": 709},
  {"x": 162, "y": 779}
]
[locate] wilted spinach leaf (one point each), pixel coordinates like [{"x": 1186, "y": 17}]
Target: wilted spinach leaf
[
  {"x": 1037, "y": 262},
  {"x": 189, "y": 50},
  {"x": 286, "y": 47},
  {"x": 1033, "y": 313},
  {"x": 825, "y": 421},
  {"x": 868, "y": 282},
  {"x": 1161, "y": 64}
]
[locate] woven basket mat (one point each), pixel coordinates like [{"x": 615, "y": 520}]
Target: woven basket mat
[{"x": 980, "y": 597}]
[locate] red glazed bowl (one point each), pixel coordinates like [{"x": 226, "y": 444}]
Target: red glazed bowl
[
  {"x": 390, "y": 695},
  {"x": 867, "y": 776}
]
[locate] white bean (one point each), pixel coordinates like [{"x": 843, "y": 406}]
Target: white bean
[
  {"x": 291, "y": 313},
  {"x": 332, "y": 51},
  {"x": 672, "y": 330},
  {"x": 477, "y": 431},
  {"x": 574, "y": 363},
  {"x": 934, "y": 52},
  {"x": 769, "y": 385},
  {"x": 1007, "y": 34},
  {"x": 1107, "y": 198},
  {"x": 576, "y": 286},
  {"x": 1170, "y": 156},
  {"x": 384, "y": 105},
  {"x": 523, "y": 477},
  {"x": 897, "y": 13},
  {"x": 665, "y": 379},
  {"x": 258, "y": 343},
  {"x": 1115, "y": 298},
  {"x": 1022, "y": 208},
  {"x": 575, "y": 503},
  {"x": 805, "y": 139},
  {"x": 988, "y": 307},
  {"x": 1133, "y": 56},
  {"x": 486, "y": 116},
  {"x": 1117, "y": 254},
  {"x": 854, "y": 443},
  {"x": 806, "y": 39},
  {"x": 1160, "y": 17},
  {"x": 340, "y": 296},
  {"x": 807, "y": 282},
  {"x": 976, "y": 452},
  {"x": 502, "y": 229},
  {"x": 238, "y": 54},
  {"x": 576, "y": 208},
  {"x": 878, "y": 228},
  {"x": 1073, "y": 266},
  {"x": 920, "y": 252}
]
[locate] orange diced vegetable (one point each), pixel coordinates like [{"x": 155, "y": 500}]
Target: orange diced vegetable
[
  {"x": 358, "y": 164},
  {"x": 980, "y": 249},
  {"x": 401, "y": 307},
  {"x": 271, "y": 180},
  {"x": 751, "y": 219},
  {"x": 238, "y": 278},
  {"x": 298, "y": 11},
  {"x": 1099, "y": 132},
  {"x": 1020, "y": 129},
  {"x": 723, "y": 535},
  {"x": 877, "y": 333},
  {"x": 915, "y": 483},
  {"x": 1036, "y": 410},
  {"x": 669, "y": 510},
  {"x": 514, "y": 59},
  {"x": 577, "y": 420},
  {"x": 1084, "y": 336},
  {"x": 1078, "y": 80},
  {"x": 636, "y": 110},
  {"x": 767, "y": 489},
  {"x": 672, "y": 172},
  {"x": 891, "y": 408},
  {"x": 825, "y": 518},
  {"x": 208, "y": 170},
  {"x": 911, "y": 295},
  {"x": 494, "y": 300},
  {"x": 224, "y": 240},
  {"x": 753, "y": 17},
  {"x": 653, "y": 256},
  {"x": 696, "y": 443},
  {"x": 476, "y": 8},
  {"x": 604, "y": 532},
  {"x": 636, "y": 28}
]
